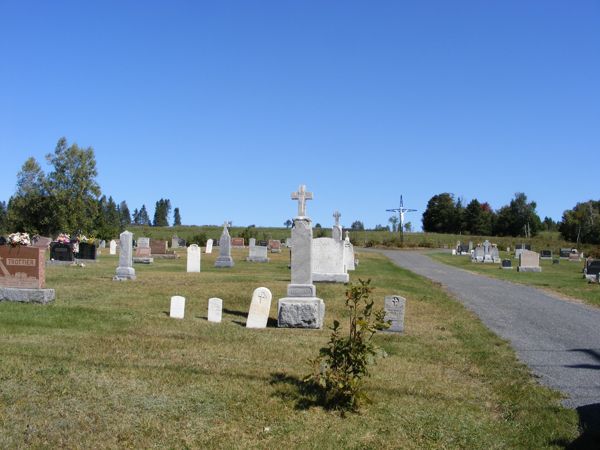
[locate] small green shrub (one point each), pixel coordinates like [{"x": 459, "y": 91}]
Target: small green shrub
[
  {"x": 198, "y": 239},
  {"x": 340, "y": 368}
]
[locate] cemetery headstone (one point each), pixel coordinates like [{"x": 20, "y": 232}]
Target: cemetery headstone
[
  {"x": 224, "y": 259},
  {"x": 125, "y": 271},
  {"x": 23, "y": 274},
  {"x": 301, "y": 308},
  {"x": 61, "y": 252},
  {"x": 328, "y": 261},
  {"x": 158, "y": 247},
  {"x": 574, "y": 256},
  {"x": 262, "y": 243},
  {"x": 495, "y": 254},
  {"x": 564, "y": 253},
  {"x": 258, "y": 315},
  {"x": 394, "y": 312},
  {"x": 175, "y": 242},
  {"x": 194, "y": 253},
  {"x": 102, "y": 244},
  {"x": 529, "y": 262},
  {"x": 470, "y": 246},
  {"x": 275, "y": 245},
  {"x": 507, "y": 264},
  {"x": 336, "y": 230},
  {"x": 215, "y": 309},
  {"x": 546, "y": 254},
  {"x": 209, "y": 246},
  {"x": 41, "y": 242},
  {"x": 143, "y": 242},
  {"x": 113, "y": 247},
  {"x": 87, "y": 251},
  {"x": 177, "y": 307},
  {"x": 257, "y": 253},
  {"x": 487, "y": 252},
  {"x": 478, "y": 254},
  {"x": 237, "y": 242},
  {"x": 592, "y": 269}
]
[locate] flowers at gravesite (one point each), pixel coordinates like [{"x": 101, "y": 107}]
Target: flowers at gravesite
[
  {"x": 63, "y": 238},
  {"x": 15, "y": 239}
]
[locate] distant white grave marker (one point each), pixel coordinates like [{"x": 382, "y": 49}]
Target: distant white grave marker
[
  {"x": 215, "y": 309},
  {"x": 177, "y": 307}
]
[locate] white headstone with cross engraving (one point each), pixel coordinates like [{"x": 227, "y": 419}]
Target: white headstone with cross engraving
[
  {"x": 394, "y": 312},
  {"x": 258, "y": 316}
]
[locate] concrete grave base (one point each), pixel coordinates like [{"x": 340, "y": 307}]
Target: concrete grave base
[
  {"x": 331, "y": 277},
  {"x": 506, "y": 268},
  {"x": 257, "y": 259},
  {"x": 166, "y": 256},
  {"x": 529, "y": 269},
  {"x": 224, "y": 261},
  {"x": 142, "y": 260},
  {"x": 27, "y": 295},
  {"x": 298, "y": 312},
  {"x": 124, "y": 273}
]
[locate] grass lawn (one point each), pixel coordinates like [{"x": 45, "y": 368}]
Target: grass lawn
[
  {"x": 565, "y": 278},
  {"x": 104, "y": 366}
]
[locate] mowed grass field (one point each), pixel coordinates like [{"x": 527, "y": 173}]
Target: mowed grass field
[
  {"x": 564, "y": 278},
  {"x": 105, "y": 367}
]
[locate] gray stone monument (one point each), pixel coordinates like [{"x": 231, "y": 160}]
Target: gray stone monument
[
  {"x": 257, "y": 253},
  {"x": 336, "y": 230},
  {"x": 301, "y": 308},
  {"x": 394, "y": 312},
  {"x": 529, "y": 262},
  {"x": 125, "y": 271},
  {"x": 224, "y": 259}
]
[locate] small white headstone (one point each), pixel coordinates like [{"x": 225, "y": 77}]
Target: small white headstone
[
  {"x": 258, "y": 315},
  {"x": 215, "y": 309},
  {"x": 193, "y": 258},
  {"x": 209, "y": 245},
  {"x": 177, "y": 307},
  {"x": 113, "y": 247}
]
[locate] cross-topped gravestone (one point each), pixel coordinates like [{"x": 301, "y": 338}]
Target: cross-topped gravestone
[
  {"x": 302, "y": 195},
  {"x": 336, "y": 216}
]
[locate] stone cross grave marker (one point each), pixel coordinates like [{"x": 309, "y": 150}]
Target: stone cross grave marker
[
  {"x": 302, "y": 196},
  {"x": 193, "y": 258},
  {"x": 215, "y": 309},
  {"x": 177, "y": 307},
  {"x": 394, "y": 311},
  {"x": 258, "y": 316}
]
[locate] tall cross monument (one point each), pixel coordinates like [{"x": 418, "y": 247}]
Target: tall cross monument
[{"x": 301, "y": 308}]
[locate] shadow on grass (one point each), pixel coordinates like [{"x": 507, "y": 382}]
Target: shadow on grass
[
  {"x": 271, "y": 323},
  {"x": 305, "y": 395},
  {"x": 589, "y": 424}
]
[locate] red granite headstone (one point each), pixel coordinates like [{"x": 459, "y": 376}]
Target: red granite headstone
[
  {"x": 237, "y": 242},
  {"x": 22, "y": 267}
]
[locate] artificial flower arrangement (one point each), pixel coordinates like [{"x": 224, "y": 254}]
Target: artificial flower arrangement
[
  {"x": 87, "y": 240},
  {"x": 63, "y": 238},
  {"x": 15, "y": 239}
]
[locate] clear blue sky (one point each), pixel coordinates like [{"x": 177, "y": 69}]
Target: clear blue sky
[{"x": 226, "y": 107}]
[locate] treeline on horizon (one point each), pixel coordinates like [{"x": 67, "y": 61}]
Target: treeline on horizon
[
  {"x": 68, "y": 199},
  {"x": 444, "y": 214}
]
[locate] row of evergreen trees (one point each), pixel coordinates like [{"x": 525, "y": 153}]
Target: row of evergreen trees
[{"x": 68, "y": 199}]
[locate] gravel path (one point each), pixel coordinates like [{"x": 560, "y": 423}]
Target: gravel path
[{"x": 559, "y": 340}]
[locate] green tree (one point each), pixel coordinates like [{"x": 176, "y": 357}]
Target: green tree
[
  {"x": 73, "y": 188},
  {"x": 357, "y": 225},
  {"x": 518, "y": 218},
  {"x": 144, "y": 218},
  {"x": 440, "y": 214},
  {"x": 479, "y": 218},
  {"x": 582, "y": 223},
  {"x": 30, "y": 209},
  {"x": 161, "y": 213},
  {"x": 3, "y": 218},
  {"x": 176, "y": 218},
  {"x": 288, "y": 223},
  {"x": 125, "y": 215},
  {"x": 408, "y": 227},
  {"x": 394, "y": 221}
]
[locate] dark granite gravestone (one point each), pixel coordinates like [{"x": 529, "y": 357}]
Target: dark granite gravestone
[
  {"x": 86, "y": 251},
  {"x": 546, "y": 254},
  {"x": 507, "y": 264},
  {"x": 61, "y": 252},
  {"x": 262, "y": 243},
  {"x": 2, "y": 240},
  {"x": 564, "y": 253},
  {"x": 555, "y": 261},
  {"x": 592, "y": 269}
]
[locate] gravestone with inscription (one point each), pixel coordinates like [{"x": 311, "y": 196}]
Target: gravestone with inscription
[
  {"x": 257, "y": 253},
  {"x": 507, "y": 264},
  {"x": 224, "y": 259},
  {"x": 394, "y": 312},
  {"x": 336, "y": 230},
  {"x": 23, "y": 274},
  {"x": 574, "y": 256},
  {"x": 328, "y": 261},
  {"x": 86, "y": 252},
  {"x": 175, "y": 242},
  {"x": 274, "y": 245},
  {"x": 61, "y": 253},
  {"x": 546, "y": 254},
  {"x": 477, "y": 254},
  {"x": 215, "y": 309},
  {"x": 41, "y": 242},
  {"x": 301, "y": 308},
  {"x": 125, "y": 271},
  {"x": 113, "y": 247},
  {"x": 564, "y": 253},
  {"x": 258, "y": 315},
  {"x": 237, "y": 242},
  {"x": 529, "y": 261},
  {"x": 591, "y": 270},
  {"x": 209, "y": 246}
]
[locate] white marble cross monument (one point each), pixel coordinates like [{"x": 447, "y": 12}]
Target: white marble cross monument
[{"x": 302, "y": 196}]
